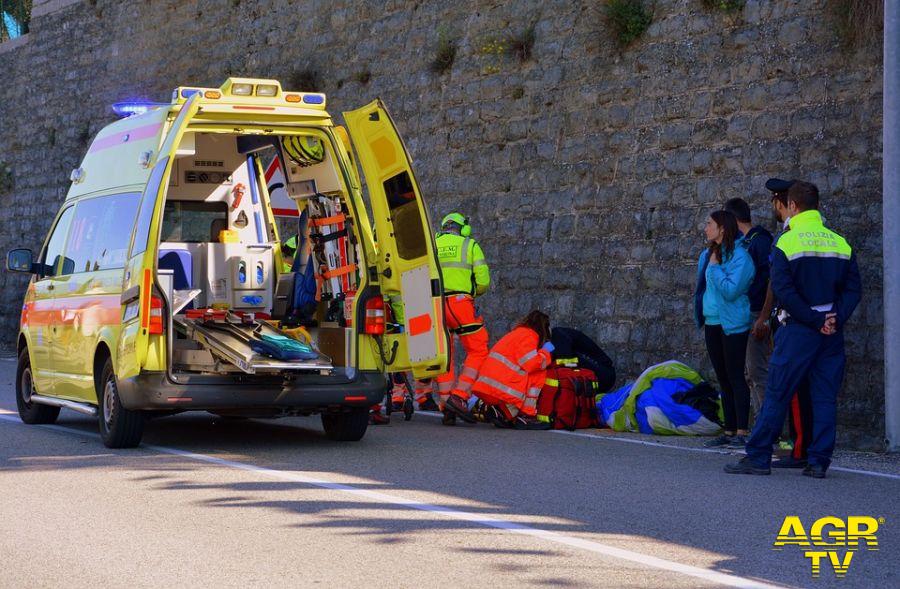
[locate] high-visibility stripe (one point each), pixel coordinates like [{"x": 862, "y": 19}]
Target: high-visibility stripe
[
  {"x": 462, "y": 265},
  {"x": 477, "y": 263},
  {"x": 445, "y": 386},
  {"x": 527, "y": 357},
  {"x": 534, "y": 392},
  {"x": 465, "y": 249},
  {"x": 468, "y": 372},
  {"x": 464, "y": 386},
  {"x": 818, "y": 254},
  {"x": 506, "y": 362},
  {"x": 552, "y": 382},
  {"x": 501, "y": 387}
]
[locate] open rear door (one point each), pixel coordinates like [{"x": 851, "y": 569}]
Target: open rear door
[
  {"x": 407, "y": 263},
  {"x": 134, "y": 340}
]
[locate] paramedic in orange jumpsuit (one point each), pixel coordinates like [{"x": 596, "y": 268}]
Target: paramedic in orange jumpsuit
[
  {"x": 511, "y": 377},
  {"x": 466, "y": 275}
]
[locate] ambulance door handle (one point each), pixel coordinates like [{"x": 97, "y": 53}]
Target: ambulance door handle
[{"x": 49, "y": 287}]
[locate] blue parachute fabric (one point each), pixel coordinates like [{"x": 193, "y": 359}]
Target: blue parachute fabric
[
  {"x": 647, "y": 405},
  {"x": 610, "y": 403},
  {"x": 659, "y": 396}
]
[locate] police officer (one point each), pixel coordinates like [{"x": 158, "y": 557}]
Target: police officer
[
  {"x": 815, "y": 279},
  {"x": 466, "y": 275},
  {"x": 800, "y": 411}
]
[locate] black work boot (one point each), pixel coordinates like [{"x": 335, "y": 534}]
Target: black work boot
[
  {"x": 448, "y": 419},
  {"x": 816, "y": 471},
  {"x": 746, "y": 466},
  {"x": 458, "y": 406},
  {"x": 428, "y": 405}
]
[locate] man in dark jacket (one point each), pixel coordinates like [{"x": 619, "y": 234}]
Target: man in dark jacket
[{"x": 571, "y": 343}]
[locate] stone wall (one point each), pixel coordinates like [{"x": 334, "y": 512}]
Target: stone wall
[{"x": 586, "y": 169}]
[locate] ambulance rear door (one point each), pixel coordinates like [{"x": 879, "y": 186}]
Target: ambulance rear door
[
  {"x": 406, "y": 260},
  {"x": 142, "y": 313}
]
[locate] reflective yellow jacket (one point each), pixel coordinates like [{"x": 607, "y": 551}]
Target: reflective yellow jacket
[{"x": 463, "y": 266}]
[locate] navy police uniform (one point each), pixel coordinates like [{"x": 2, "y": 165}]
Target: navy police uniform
[{"x": 814, "y": 272}]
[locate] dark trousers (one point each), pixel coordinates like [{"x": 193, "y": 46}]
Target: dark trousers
[
  {"x": 800, "y": 421},
  {"x": 801, "y": 353},
  {"x": 728, "y": 354}
]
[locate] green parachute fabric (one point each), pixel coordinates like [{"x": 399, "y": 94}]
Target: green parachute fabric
[{"x": 623, "y": 418}]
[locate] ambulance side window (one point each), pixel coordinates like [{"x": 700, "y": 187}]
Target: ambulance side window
[
  {"x": 405, "y": 217},
  {"x": 100, "y": 233},
  {"x": 53, "y": 254}
]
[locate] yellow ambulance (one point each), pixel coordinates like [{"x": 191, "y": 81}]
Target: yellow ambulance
[{"x": 165, "y": 284}]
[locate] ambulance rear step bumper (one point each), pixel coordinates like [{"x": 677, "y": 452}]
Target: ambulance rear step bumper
[{"x": 305, "y": 393}]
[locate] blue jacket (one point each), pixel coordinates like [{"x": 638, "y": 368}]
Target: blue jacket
[{"x": 728, "y": 283}]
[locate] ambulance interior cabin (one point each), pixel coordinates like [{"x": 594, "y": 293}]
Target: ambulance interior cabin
[{"x": 219, "y": 250}]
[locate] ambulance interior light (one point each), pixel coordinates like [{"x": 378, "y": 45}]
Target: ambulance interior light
[
  {"x": 266, "y": 90},
  {"x": 242, "y": 89},
  {"x": 127, "y": 109}
]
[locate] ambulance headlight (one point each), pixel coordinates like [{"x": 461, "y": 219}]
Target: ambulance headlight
[
  {"x": 266, "y": 90},
  {"x": 242, "y": 89}
]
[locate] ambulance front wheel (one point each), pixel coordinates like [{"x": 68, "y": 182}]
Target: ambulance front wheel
[
  {"x": 119, "y": 427},
  {"x": 348, "y": 426},
  {"x": 29, "y": 412}
]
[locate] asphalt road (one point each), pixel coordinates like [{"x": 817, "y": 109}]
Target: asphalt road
[{"x": 207, "y": 502}]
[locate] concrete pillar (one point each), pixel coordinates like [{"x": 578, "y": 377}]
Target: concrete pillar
[{"x": 891, "y": 224}]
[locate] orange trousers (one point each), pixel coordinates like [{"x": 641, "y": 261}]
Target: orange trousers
[{"x": 463, "y": 321}]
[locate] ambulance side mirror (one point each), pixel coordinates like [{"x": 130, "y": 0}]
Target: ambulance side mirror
[{"x": 20, "y": 260}]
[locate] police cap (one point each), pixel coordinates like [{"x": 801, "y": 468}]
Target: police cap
[{"x": 778, "y": 185}]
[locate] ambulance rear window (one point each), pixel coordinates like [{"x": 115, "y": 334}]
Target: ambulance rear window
[
  {"x": 406, "y": 218},
  {"x": 188, "y": 221}
]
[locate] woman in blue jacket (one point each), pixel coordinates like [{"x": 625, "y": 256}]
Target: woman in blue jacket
[{"x": 722, "y": 309}]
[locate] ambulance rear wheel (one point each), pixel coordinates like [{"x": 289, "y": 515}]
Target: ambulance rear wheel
[
  {"x": 31, "y": 413},
  {"x": 349, "y": 426},
  {"x": 119, "y": 427}
]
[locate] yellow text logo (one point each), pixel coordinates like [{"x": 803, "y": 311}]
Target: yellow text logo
[{"x": 832, "y": 540}]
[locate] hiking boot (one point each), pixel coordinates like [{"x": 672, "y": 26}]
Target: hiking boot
[
  {"x": 428, "y": 405},
  {"x": 816, "y": 471},
  {"x": 718, "y": 442},
  {"x": 788, "y": 462},
  {"x": 448, "y": 418},
  {"x": 458, "y": 406},
  {"x": 737, "y": 443},
  {"x": 529, "y": 422},
  {"x": 376, "y": 418},
  {"x": 746, "y": 466}
]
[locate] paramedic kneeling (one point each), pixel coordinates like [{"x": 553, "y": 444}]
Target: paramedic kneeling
[
  {"x": 511, "y": 377},
  {"x": 815, "y": 279}
]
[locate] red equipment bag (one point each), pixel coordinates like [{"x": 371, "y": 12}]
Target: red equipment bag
[{"x": 567, "y": 399}]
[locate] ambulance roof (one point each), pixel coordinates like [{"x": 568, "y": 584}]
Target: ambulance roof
[{"x": 123, "y": 153}]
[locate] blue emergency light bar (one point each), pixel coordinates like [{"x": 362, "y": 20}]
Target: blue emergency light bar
[{"x": 128, "y": 109}]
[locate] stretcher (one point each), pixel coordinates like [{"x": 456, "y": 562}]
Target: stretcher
[{"x": 235, "y": 339}]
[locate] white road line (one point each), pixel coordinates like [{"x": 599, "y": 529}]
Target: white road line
[
  {"x": 609, "y": 438},
  {"x": 476, "y": 518}
]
